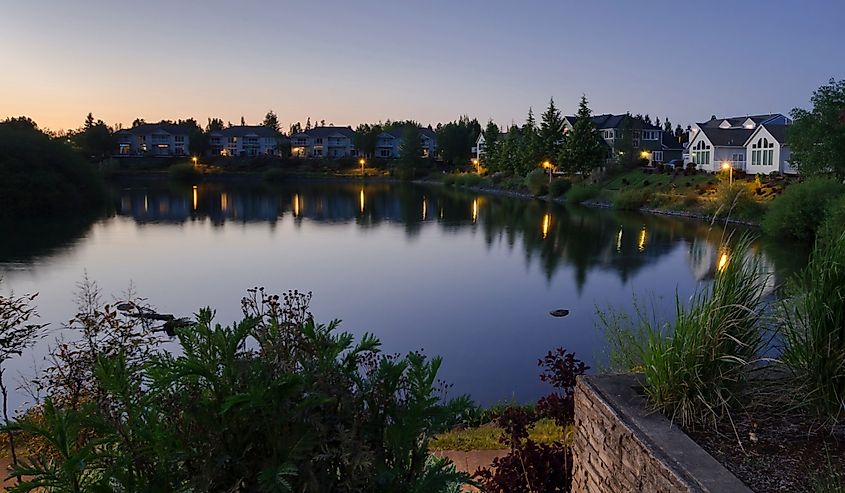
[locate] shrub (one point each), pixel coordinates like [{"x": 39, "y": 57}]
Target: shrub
[
  {"x": 734, "y": 200},
  {"x": 814, "y": 332},
  {"x": 798, "y": 213},
  {"x": 834, "y": 221},
  {"x": 559, "y": 187},
  {"x": 695, "y": 367},
  {"x": 631, "y": 200},
  {"x": 31, "y": 161},
  {"x": 275, "y": 402},
  {"x": 183, "y": 172},
  {"x": 581, "y": 193},
  {"x": 537, "y": 182},
  {"x": 468, "y": 180}
]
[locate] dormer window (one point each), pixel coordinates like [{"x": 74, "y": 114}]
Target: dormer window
[{"x": 725, "y": 124}]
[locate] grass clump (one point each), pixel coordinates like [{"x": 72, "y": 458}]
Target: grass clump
[
  {"x": 814, "y": 332},
  {"x": 799, "y": 212},
  {"x": 834, "y": 221},
  {"x": 735, "y": 200},
  {"x": 489, "y": 436},
  {"x": 631, "y": 200},
  {"x": 183, "y": 172},
  {"x": 559, "y": 187},
  {"x": 582, "y": 193},
  {"x": 537, "y": 182},
  {"x": 695, "y": 367}
]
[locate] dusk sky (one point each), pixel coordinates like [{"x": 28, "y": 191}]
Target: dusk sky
[{"x": 361, "y": 61}]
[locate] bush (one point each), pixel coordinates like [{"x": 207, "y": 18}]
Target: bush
[
  {"x": 581, "y": 193},
  {"x": 814, "y": 332},
  {"x": 274, "y": 402},
  {"x": 537, "y": 182},
  {"x": 41, "y": 177},
  {"x": 798, "y": 213},
  {"x": 468, "y": 180},
  {"x": 631, "y": 200},
  {"x": 559, "y": 187},
  {"x": 696, "y": 366},
  {"x": 183, "y": 172},
  {"x": 734, "y": 200},
  {"x": 834, "y": 222}
]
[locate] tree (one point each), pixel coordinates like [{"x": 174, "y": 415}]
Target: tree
[
  {"x": 295, "y": 128},
  {"x": 623, "y": 146},
  {"x": 551, "y": 131},
  {"x": 817, "y": 137},
  {"x": 198, "y": 140},
  {"x": 583, "y": 149},
  {"x": 89, "y": 121},
  {"x": 410, "y": 151},
  {"x": 646, "y": 119},
  {"x": 138, "y": 122},
  {"x": 667, "y": 126},
  {"x": 272, "y": 121},
  {"x": 530, "y": 150},
  {"x": 94, "y": 139},
  {"x": 366, "y": 138},
  {"x": 657, "y": 122},
  {"x": 214, "y": 125},
  {"x": 308, "y": 124},
  {"x": 455, "y": 139}
]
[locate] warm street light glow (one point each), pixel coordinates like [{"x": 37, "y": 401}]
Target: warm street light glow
[
  {"x": 726, "y": 165},
  {"x": 424, "y": 209},
  {"x": 723, "y": 262},
  {"x": 362, "y": 199},
  {"x": 362, "y": 162},
  {"x": 619, "y": 241},
  {"x": 641, "y": 244},
  {"x": 195, "y": 197},
  {"x": 547, "y": 221},
  {"x": 296, "y": 205},
  {"x": 474, "y": 210},
  {"x": 476, "y": 163},
  {"x": 195, "y": 160},
  {"x": 644, "y": 154},
  {"x": 548, "y": 165}
]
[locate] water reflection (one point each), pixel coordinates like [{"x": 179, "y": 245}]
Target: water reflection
[{"x": 587, "y": 239}]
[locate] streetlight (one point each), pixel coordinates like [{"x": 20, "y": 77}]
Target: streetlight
[
  {"x": 475, "y": 163},
  {"x": 548, "y": 164},
  {"x": 726, "y": 165},
  {"x": 362, "y": 162},
  {"x": 194, "y": 159}
]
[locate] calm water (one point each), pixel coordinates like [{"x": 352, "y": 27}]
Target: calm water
[{"x": 469, "y": 277}]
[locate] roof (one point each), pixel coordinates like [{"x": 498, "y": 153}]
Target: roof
[
  {"x": 669, "y": 141},
  {"x": 607, "y": 121},
  {"x": 151, "y": 128},
  {"x": 399, "y": 132},
  {"x": 242, "y": 130},
  {"x": 777, "y": 131},
  {"x": 737, "y": 121},
  {"x": 322, "y": 132},
  {"x": 727, "y": 137}
]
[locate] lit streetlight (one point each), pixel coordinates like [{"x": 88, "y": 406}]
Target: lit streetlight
[
  {"x": 726, "y": 165},
  {"x": 476, "y": 163},
  {"x": 194, "y": 159},
  {"x": 547, "y": 164},
  {"x": 362, "y": 162}
]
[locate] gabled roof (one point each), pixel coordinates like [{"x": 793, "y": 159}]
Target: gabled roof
[
  {"x": 243, "y": 130},
  {"x": 608, "y": 121},
  {"x": 738, "y": 121},
  {"x": 399, "y": 132},
  {"x": 727, "y": 137},
  {"x": 151, "y": 128},
  {"x": 322, "y": 132},
  {"x": 669, "y": 141},
  {"x": 776, "y": 131}
]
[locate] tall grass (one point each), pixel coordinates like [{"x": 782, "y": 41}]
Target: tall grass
[
  {"x": 695, "y": 367},
  {"x": 814, "y": 332}
]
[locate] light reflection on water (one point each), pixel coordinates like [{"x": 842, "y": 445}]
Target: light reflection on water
[{"x": 473, "y": 282}]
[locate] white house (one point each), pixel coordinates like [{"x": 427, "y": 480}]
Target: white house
[
  {"x": 154, "y": 139},
  {"x": 244, "y": 140},
  {"x": 767, "y": 151},
  {"x": 721, "y": 141},
  {"x": 389, "y": 144},
  {"x": 320, "y": 142}
]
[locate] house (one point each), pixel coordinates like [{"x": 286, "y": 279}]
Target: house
[
  {"x": 646, "y": 140},
  {"x": 244, "y": 140},
  {"x": 670, "y": 148},
  {"x": 320, "y": 142},
  {"x": 389, "y": 143},
  {"x": 481, "y": 144},
  {"x": 729, "y": 141},
  {"x": 154, "y": 139}
]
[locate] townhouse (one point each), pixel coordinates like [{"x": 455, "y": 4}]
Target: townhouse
[
  {"x": 245, "y": 140},
  {"x": 389, "y": 143},
  {"x": 321, "y": 142},
  {"x": 154, "y": 139}
]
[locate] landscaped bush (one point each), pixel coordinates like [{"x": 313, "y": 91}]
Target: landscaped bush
[
  {"x": 537, "y": 182},
  {"x": 813, "y": 327},
  {"x": 183, "y": 172},
  {"x": 798, "y": 213},
  {"x": 695, "y": 366},
  {"x": 559, "y": 187},
  {"x": 275, "y": 402},
  {"x": 41, "y": 177},
  {"x": 581, "y": 193},
  {"x": 631, "y": 200}
]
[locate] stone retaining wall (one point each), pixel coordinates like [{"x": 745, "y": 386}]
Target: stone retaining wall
[{"x": 622, "y": 447}]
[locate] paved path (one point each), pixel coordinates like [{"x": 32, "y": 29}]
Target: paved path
[{"x": 470, "y": 461}]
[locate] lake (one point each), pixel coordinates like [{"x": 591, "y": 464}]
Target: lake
[{"x": 467, "y": 276}]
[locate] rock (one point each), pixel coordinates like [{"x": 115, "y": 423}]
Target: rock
[{"x": 559, "y": 313}]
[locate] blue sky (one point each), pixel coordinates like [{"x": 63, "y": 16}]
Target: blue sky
[{"x": 348, "y": 62}]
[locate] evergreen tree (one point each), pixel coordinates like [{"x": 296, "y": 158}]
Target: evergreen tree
[
  {"x": 272, "y": 121},
  {"x": 214, "y": 125},
  {"x": 89, "y": 122},
  {"x": 410, "y": 151},
  {"x": 308, "y": 124},
  {"x": 455, "y": 139},
  {"x": 647, "y": 119},
  {"x": 583, "y": 149},
  {"x": 138, "y": 122},
  {"x": 366, "y": 138},
  {"x": 657, "y": 122},
  {"x": 243, "y": 122},
  {"x": 491, "y": 139},
  {"x": 667, "y": 126},
  {"x": 295, "y": 128},
  {"x": 551, "y": 131}
]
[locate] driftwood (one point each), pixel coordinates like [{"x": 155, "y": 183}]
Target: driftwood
[{"x": 171, "y": 323}]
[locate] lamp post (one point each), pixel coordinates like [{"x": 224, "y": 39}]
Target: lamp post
[
  {"x": 475, "y": 163},
  {"x": 548, "y": 164},
  {"x": 194, "y": 159},
  {"x": 726, "y": 165},
  {"x": 362, "y": 162}
]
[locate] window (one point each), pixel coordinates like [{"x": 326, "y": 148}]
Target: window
[
  {"x": 649, "y": 134},
  {"x": 179, "y": 139},
  {"x": 763, "y": 152},
  {"x": 657, "y": 156},
  {"x": 738, "y": 158},
  {"x": 319, "y": 141},
  {"x": 607, "y": 134},
  {"x": 384, "y": 152},
  {"x": 700, "y": 153},
  {"x": 635, "y": 141}
]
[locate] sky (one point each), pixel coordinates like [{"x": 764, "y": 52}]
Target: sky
[{"x": 348, "y": 62}]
